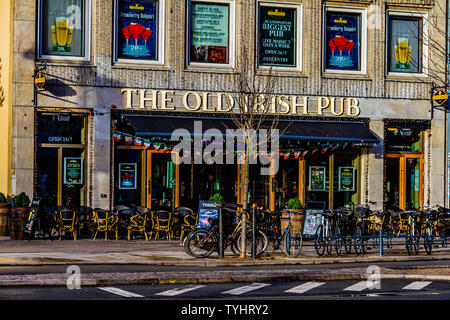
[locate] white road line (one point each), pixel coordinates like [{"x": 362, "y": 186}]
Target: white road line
[
  {"x": 360, "y": 286},
  {"x": 177, "y": 291},
  {"x": 305, "y": 287},
  {"x": 121, "y": 292},
  {"x": 245, "y": 289},
  {"x": 416, "y": 285}
]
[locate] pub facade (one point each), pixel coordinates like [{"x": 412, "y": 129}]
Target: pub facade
[{"x": 351, "y": 98}]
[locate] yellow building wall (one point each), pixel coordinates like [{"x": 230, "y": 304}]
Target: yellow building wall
[{"x": 6, "y": 17}]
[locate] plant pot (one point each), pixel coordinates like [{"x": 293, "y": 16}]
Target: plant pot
[
  {"x": 4, "y": 215},
  {"x": 297, "y": 218},
  {"x": 17, "y": 222}
]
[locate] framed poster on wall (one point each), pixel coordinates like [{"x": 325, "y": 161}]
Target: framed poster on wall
[
  {"x": 346, "y": 179},
  {"x": 127, "y": 176},
  {"x": 317, "y": 178},
  {"x": 73, "y": 170}
]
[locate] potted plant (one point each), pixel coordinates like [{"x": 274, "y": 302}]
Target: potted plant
[
  {"x": 4, "y": 214},
  {"x": 19, "y": 210},
  {"x": 216, "y": 197},
  {"x": 296, "y": 212}
]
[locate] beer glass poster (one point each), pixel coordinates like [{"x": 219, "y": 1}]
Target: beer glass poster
[
  {"x": 62, "y": 27},
  {"x": 342, "y": 41},
  {"x": 137, "y": 29},
  {"x": 73, "y": 171},
  {"x": 405, "y": 48},
  {"x": 127, "y": 175},
  {"x": 276, "y": 36},
  {"x": 209, "y": 33}
]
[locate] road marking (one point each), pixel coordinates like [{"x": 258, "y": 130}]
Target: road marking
[
  {"x": 178, "y": 291},
  {"x": 305, "y": 287},
  {"x": 245, "y": 289},
  {"x": 121, "y": 292},
  {"x": 417, "y": 285},
  {"x": 360, "y": 286}
]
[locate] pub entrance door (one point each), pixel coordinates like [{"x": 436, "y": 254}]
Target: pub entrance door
[
  {"x": 403, "y": 181},
  {"x": 162, "y": 183}
]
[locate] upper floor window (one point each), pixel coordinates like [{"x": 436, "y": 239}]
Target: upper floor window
[
  {"x": 279, "y": 35},
  {"x": 211, "y": 33},
  {"x": 406, "y": 52},
  {"x": 64, "y": 29},
  {"x": 139, "y": 31},
  {"x": 345, "y": 40}
]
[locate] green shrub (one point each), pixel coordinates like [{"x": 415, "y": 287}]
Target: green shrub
[
  {"x": 216, "y": 197},
  {"x": 294, "y": 203},
  {"x": 21, "y": 200},
  {"x": 2, "y": 198}
]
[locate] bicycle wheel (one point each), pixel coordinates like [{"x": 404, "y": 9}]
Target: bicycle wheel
[
  {"x": 347, "y": 240},
  {"x": 358, "y": 242},
  {"x": 292, "y": 241},
  {"x": 234, "y": 244},
  {"x": 319, "y": 241},
  {"x": 338, "y": 242},
  {"x": 428, "y": 241},
  {"x": 408, "y": 241},
  {"x": 261, "y": 243},
  {"x": 416, "y": 239},
  {"x": 201, "y": 243}
]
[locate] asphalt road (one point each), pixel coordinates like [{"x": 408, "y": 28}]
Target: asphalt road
[{"x": 239, "y": 292}]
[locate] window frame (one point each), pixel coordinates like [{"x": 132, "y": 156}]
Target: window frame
[
  {"x": 425, "y": 34},
  {"x": 362, "y": 11},
  {"x": 87, "y": 35},
  {"x": 161, "y": 21},
  {"x": 299, "y": 35},
  {"x": 231, "y": 35}
]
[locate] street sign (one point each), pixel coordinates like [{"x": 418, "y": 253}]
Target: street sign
[
  {"x": 39, "y": 80},
  {"x": 440, "y": 96}
]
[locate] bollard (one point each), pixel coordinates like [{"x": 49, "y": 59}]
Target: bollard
[
  {"x": 221, "y": 253},
  {"x": 381, "y": 243}
]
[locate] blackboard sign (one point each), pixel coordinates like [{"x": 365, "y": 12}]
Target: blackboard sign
[
  {"x": 206, "y": 210},
  {"x": 346, "y": 179},
  {"x": 317, "y": 178},
  {"x": 313, "y": 219},
  {"x": 127, "y": 176},
  {"x": 73, "y": 170}
]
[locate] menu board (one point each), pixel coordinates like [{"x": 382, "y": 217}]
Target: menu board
[
  {"x": 346, "y": 179},
  {"x": 317, "y": 178},
  {"x": 313, "y": 219},
  {"x": 277, "y": 31},
  {"x": 73, "y": 170},
  {"x": 207, "y": 210},
  {"x": 127, "y": 176}
]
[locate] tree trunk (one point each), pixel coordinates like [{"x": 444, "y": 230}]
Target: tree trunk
[{"x": 244, "y": 204}]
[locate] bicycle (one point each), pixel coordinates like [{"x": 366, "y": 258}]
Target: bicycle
[
  {"x": 325, "y": 234},
  {"x": 290, "y": 241}
]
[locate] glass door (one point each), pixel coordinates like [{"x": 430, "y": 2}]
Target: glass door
[
  {"x": 404, "y": 181},
  {"x": 162, "y": 181}
]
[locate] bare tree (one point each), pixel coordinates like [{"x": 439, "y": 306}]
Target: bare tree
[{"x": 255, "y": 109}]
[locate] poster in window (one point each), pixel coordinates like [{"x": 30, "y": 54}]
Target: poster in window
[
  {"x": 342, "y": 41},
  {"x": 317, "y": 178},
  {"x": 127, "y": 176},
  {"x": 405, "y": 44},
  {"x": 346, "y": 179},
  {"x": 63, "y": 27},
  {"x": 137, "y": 29},
  {"x": 73, "y": 170},
  {"x": 209, "y": 33},
  {"x": 277, "y": 32}
]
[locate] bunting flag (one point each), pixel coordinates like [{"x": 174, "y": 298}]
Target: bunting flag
[
  {"x": 146, "y": 144},
  {"x": 296, "y": 154},
  {"x": 304, "y": 153},
  {"x": 117, "y": 136},
  {"x": 335, "y": 147},
  {"x": 344, "y": 146},
  {"x": 324, "y": 150},
  {"x": 128, "y": 140},
  {"x": 287, "y": 155},
  {"x": 137, "y": 142},
  {"x": 314, "y": 151},
  {"x": 352, "y": 146},
  {"x": 157, "y": 146}
]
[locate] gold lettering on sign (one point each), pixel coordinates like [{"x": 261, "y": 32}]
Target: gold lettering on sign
[
  {"x": 333, "y": 107},
  {"x": 198, "y": 100},
  {"x": 143, "y": 99},
  {"x": 352, "y": 107},
  {"x": 164, "y": 100},
  {"x": 320, "y": 106},
  {"x": 129, "y": 93},
  {"x": 283, "y": 104},
  {"x": 304, "y": 105}
]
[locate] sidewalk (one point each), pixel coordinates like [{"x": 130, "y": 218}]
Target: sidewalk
[{"x": 171, "y": 253}]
